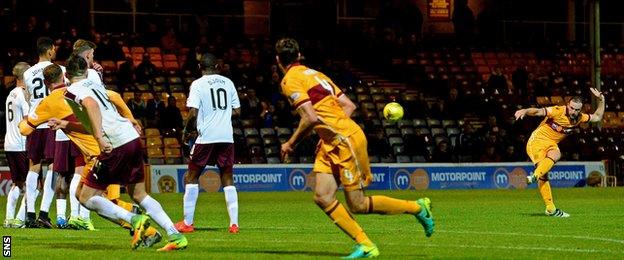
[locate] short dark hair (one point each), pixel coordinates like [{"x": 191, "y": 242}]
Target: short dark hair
[
  {"x": 52, "y": 74},
  {"x": 44, "y": 44},
  {"x": 577, "y": 99},
  {"x": 208, "y": 62},
  {"x": 76, "y": 66},
  {"x": 287, "y": 50}
]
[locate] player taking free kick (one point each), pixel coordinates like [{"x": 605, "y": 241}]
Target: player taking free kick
[{"x": 542, "y": 146}]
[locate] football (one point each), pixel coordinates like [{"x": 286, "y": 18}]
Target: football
[{"x": 393, "y": 111}]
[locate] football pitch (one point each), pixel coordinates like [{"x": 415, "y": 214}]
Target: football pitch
[{"x": 469, "y": 224}]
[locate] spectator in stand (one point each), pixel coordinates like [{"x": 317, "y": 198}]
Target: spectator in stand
[
  {"x": 154, "y": 110},
  {"x": 490, "y": 155},
  {"x": 442, "y": 153},
  {"x": 378, "y": 144},
  {"x": 125, "y": 74},
  {"x": 416, "y": 108},
  {"x": 267, "y": 115},
  {"x": 510, "y": 154},
  {"x": 261, "y": 87},
  {"x": 251, "y": 105},
  {"x": 146, "y": 70},
  {"x": 137, "y": 107},
  {"x": 283, "y": 115},
  {"x": 463, "y": 22},
  {"x": 520, "y": 80},
  {"x": 454, "y": 108},
  {"x": 171, "y": 116},
  {"x": 497, "y": 81},
  {"x": 468, "y": 143},
  {"x": 169, "y": 42},
  {"x": 64, "y": 50},
  {"x": 151, "y": 38}
]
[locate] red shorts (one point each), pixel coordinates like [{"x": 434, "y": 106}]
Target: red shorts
[
  {"x": 219, "y": 154},
  {"x": 67, "y": 157},
  {"x": 123, "y": 165},
  {"x": 40, "y": 145},
  {"x": 18, "y": 166}
]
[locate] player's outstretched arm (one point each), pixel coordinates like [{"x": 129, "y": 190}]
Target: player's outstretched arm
[
  {"x": 190, "y": 128},
  {"x": 520, "y": 114},
  {"x": 308, "y": 120},
  {"x": 347, "y": 105},
  {"x": 56, "y": 124},
  {"x": 25, "y": 128},
  {"x": 597, "y": 115}
]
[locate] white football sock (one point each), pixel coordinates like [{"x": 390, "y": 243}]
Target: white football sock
[
  {"x": 190, "y": 199},
  {"x": 109, "y": 209},
  {"x": 74, "y": 204},
  {"x": 12, "y": 198},
  {"x": 231, "y": 200},
  {"x": 61, "y": 207},
  {"x": 85, "y": 213},
  {"x": 157, "y": 213},
  {"x": 48, "y": 192},
  {"x": 21, "y": 214},
  {"x": 31, "y": 188}
]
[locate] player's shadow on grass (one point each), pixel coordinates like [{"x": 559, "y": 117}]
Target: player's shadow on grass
[
  {"x": 91, "y": 247},
  {"x": 307, "y": 253},
  {"x": 209, "y": 229},
  {"x": 534, "y": 214}
]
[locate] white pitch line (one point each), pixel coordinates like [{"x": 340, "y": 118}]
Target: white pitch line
[
  {"x": 533, "y": 235},
  {"x": 522, "y": 248},
  {"x": 605, "y": 239}
]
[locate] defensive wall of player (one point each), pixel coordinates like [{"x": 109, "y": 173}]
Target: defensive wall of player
[{"x": 299, "y": 177}]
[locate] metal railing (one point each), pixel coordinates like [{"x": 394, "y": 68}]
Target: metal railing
[{"x": 558, "y": 30}]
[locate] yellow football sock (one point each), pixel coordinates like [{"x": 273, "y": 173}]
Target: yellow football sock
[
  {"x": 150, "y": 231},
  {"x": 544, "y": 189},
  {"x": 341, "y": 217},
  {"x": 124, "y": 224},
  {"x": 125, "y": 205},
  {"x": 543, "y": 167},
  {"x": 390, "y": 206},
  {"x": 113, "y": 192}
]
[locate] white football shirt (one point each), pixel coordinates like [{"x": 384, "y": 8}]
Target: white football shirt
[
  {"x": 214, "y": 96},
  {"x": 94, "y": 76},
  {"x": 116, "y": 128},
  {"x": 35, "y": 86},
  {"x": 16, "y": 108}
]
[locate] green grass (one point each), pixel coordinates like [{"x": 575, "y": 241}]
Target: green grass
[{"x": 469, "y": 224}]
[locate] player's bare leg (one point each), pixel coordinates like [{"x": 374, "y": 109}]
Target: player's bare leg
[
  {"x": 231, "y": 198},
  {"x": 325, "y": 198},
  {"x": 157, "y": 213},
  {"x": 191, "y": 192}
]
